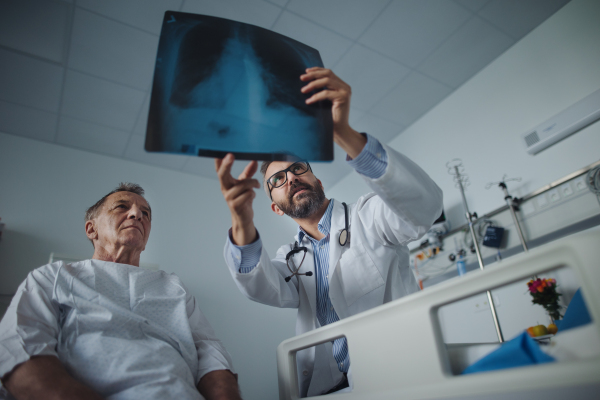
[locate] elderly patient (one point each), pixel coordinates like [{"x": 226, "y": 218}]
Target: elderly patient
[{"x": 104, "y": 328}]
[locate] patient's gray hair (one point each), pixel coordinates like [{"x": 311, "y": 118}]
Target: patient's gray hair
[{"x": 93, "y": 211}]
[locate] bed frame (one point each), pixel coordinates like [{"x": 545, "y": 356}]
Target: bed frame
[{"x": 421, "y": 365}]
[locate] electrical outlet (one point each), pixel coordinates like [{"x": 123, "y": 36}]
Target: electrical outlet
[
  {"x": 542, "y": 200},
  {"x": 484, "y": 305},
  {"x": 527, "y": 208},
  {"x": 554, "y": 195},
  {"x": 579, "y": 184},
  {"x": 566, "y": 190}
]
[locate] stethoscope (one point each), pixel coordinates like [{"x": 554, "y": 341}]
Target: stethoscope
[{"x": 342, "y": 240}]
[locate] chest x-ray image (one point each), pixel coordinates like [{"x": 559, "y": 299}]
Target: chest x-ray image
[{"x": 222, "y": 86}]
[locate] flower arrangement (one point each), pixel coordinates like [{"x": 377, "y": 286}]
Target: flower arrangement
[{"x": 543, "y": 292}]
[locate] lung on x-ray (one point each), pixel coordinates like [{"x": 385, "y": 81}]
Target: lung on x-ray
[{"x": 222, "y": 86}]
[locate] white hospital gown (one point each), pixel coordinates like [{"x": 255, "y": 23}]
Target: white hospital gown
[{"x": 126, "y": 332}]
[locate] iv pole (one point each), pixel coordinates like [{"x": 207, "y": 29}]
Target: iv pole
[
  {"x": 512, "y": 206},
  {"x": 460, "y": 179}
]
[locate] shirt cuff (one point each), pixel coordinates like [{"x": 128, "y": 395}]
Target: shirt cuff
[
  {"x": 372, "y": 160},
  {"x": 246, "y": 257}
]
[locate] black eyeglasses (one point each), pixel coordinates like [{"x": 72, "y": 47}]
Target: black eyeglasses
[{"x": 279, "y": 178}]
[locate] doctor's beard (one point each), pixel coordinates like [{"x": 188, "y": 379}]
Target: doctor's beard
[{"x": 305, "y": 204}]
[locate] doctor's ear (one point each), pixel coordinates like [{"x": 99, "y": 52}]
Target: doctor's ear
[
  {"x": 90, "y": 230},
  {"x": 320, "y": 183},
  {"x": 276, "y": 209}
]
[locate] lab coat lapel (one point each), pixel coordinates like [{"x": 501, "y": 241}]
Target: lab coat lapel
[
  {"x": 338, "y": 223},
  {"x": 307, "y": 282}
]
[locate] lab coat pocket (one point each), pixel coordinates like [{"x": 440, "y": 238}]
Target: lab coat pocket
[{"x": 357, "y": 273}]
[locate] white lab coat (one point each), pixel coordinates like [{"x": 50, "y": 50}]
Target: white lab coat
[{"x": 372, "y": 269}]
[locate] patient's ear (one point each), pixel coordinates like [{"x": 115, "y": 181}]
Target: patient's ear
[
  {"x": 276, "y": 209},
  {"x": 90, "y": 230}
]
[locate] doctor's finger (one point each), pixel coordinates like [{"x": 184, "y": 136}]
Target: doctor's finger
[
  {"x": 241, "y": 202},
  {"x": 316, "y": 72},
  {"x": 331, "y": 95},
  {"x": 241, "y": 187},
  {"x": 249, "y": 171},
  {"x": 319, "y": 84},
  {"x": 224, "y": 171}
]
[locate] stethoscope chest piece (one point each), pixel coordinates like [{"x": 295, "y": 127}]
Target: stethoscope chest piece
[{"x": 344, "y": 234}]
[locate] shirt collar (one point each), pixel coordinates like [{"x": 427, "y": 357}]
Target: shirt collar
[{"x": 324, "y": 224}]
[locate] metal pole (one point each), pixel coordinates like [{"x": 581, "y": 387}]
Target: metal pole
[
  {"x": 478, "y": 252},
  {"x": 511, "y": 207}
]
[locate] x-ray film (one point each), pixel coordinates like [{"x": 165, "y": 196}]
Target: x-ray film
[{"x": 222, "y": 86}]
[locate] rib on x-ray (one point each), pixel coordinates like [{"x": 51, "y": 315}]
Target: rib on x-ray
[{"x": 222, "y": 86}]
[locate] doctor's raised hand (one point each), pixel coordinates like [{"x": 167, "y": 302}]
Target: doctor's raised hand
[
  {"x": 330, "y": 87},
  {"x": 239, "y": 194}
]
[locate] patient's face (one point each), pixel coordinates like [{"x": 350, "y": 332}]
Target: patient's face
[{"x": 124, "y": 221}]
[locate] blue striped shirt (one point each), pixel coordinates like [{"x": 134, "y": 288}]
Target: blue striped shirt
[{"x": 371, "y": 162}]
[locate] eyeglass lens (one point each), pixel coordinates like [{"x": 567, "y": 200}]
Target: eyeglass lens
[{"x": 279, "y": 178}]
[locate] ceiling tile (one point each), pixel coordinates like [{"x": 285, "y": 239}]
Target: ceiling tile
[
  {"x": 92, "y": 137},
  {"x": 205, "y": 167},
  {"x": 473, "y": 5},
  {"x": 28, "y": 122},
  {"x": 379, "y": 128},
  {"x": 29, "y": 81},
  {"x": 347, "y": 17},
  {"x": 105, "y": 103},
  {"x": 409, "y": 30},
  {"x": 135, "y": 152},
  {"x": 368, "y": 87},
  {"x": 143, "y": 14},
  {"x": 142, "y": 119},
  {"x": 518, "y": 17},
  {"x": 471, "y": 48},
  {"x": 111, "y": 50},
  {"x": 280, "y": 3},
  {"x": 331, "y": 45},
  {"x": 255, "y": 12},
  {"x": 411, "y": 99},
  {"x": 37, "y": 27}
]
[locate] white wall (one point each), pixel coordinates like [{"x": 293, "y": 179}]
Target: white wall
[
  {"x": 553, "y": 67},
  {"x": 45, "y": 189}
]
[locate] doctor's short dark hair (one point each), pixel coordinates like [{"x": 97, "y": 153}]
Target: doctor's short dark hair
[{"x": 93, "y": 211}]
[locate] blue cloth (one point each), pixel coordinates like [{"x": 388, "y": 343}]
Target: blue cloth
[
  {"x": 518, "y": 352},
  {"x": 576, "y": 315},
  {"x": 372, "y": 163}
]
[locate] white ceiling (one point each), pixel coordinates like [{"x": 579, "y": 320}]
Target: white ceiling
[{"x": 78, "y": 73}]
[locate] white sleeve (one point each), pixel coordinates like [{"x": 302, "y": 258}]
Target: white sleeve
[
  {"x": 407, "y": 204},
  {"x": 266, "y": 282},
  {"x": 212, "y": 355},
  {"x": 30, "y": 325}
]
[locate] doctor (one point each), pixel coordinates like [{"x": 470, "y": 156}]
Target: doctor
[{"x": 345, "y": 259}]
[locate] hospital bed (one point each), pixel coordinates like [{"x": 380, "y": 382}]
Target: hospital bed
[{"x": 398, "y": 352}]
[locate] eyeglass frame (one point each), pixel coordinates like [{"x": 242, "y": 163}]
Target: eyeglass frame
[{"x": 285, "y": 171}]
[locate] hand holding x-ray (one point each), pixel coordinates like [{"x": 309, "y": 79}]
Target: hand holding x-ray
[{"x": 330, "y": 87}]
